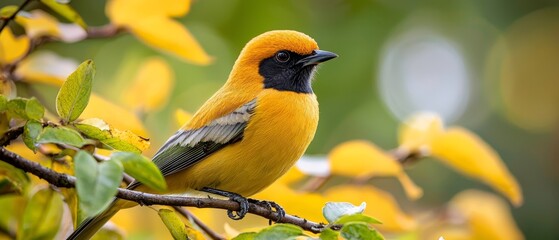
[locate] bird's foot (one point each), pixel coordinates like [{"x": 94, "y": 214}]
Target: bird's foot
[
  {"x": 270, "y": 206},
  {"x": 243, "y": 202}
]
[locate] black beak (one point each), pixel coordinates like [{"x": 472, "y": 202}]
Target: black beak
[{"x": 316, "y": 57}]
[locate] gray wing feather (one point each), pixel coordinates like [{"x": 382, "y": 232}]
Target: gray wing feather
[{"x": 187, "y": 147}]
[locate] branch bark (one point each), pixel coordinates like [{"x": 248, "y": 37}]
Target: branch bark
[{"x": 67, "y": 181}]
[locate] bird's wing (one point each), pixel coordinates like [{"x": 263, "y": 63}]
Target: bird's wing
[{"x": 187, "y": 147}]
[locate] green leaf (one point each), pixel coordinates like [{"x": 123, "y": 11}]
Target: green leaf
[
  {"x": 142, "y": 169},
  {"x": 358, "y": 217},
  {"x": 8, "y": 11},
  {"x": 173, "y": 223},
  {"x": 42, "y": 216},
  {"x": 34, "y": 110},
  {"x": 65, "y": 11},
  {"x": 329, "y": 234},
  {"x": 61, "y": 135},
  {"x": 332, "y": 211},
  {"x": 16, "y": 108},
  {"x": 74, "y": 93},
  {"x": 12, "y": 179},
  {"x": 111, "y": 233},
  {"x": 3, "y": 103},
  {"x": 96, "y": 183},
  {"x": 4, "y": 123},
  {"x": 12, "y": 212},
  {"x": 25, "y": 108},
  {"x": 279, "y": 231},
  {"x": 359, "y": 231},
  {"x": 245, "y": 236},
  {"x": 31, "y": 132},
  {"x": 111, "y": 137}
]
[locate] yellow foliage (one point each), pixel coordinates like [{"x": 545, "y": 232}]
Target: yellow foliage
[
  {"x": 291, "y": 201},
  {"x": 9, "y": 90},
  {"x": 12, "y": 48},
  {"x": 127, "y": 220},
  {"x": 364, "y": 159},
  {"x": 136, "y": 9},
  {"x": 468, "y": 154},
  {"x": 487, "y": 215},
  {"x": 419, "y": 130},
  {"x": 451, "y": 233},
  {"x": 45, "y": 67},
  {"x": 39, "y": 24},
  {"x": 150, "y": 21},
  {"x": 460, "y": 149},
  {"x": 109, "y": 134},
  {"x": 114, "y": 115},
  {"x": 381, "y": 205},
  {"x": 151, "y": 87},
  {"x": 182, "y": 117},
  {"x": 293, "y": 175}
]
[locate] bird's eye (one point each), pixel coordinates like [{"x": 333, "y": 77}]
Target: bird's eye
[{"x": 282, "y": 56}]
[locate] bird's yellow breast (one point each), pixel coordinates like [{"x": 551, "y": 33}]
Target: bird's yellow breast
[{"x": 277, "y": 135}]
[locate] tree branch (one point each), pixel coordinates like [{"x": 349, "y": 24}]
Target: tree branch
[
  {"x": 10, "y": 135},
  {"x": 7, "y": 20},
  {"x": 63, "y": 180}
]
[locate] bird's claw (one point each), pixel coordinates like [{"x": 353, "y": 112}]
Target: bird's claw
[
  {"x": 243, "y": 207},
  {"x": 243, "y": 202},
  {"x": 270, "y": 206}
]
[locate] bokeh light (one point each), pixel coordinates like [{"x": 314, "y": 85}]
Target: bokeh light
[
  {"x": 530, "y": 73},
  {"x": 422, "y": 70}
]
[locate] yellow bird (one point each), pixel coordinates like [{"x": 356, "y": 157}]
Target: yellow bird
[{"x": 249, "y": 133}]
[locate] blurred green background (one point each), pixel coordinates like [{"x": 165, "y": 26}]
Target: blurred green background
[{"x": 491, "y": 66}]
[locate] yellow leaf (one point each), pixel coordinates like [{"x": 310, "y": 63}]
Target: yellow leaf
[
  {"x": 170, "y": 36},
  {"x": 150, "y": 21},
  {"x": 451, "y": 233},
  {"x": 419, "y": 130},
  {"x": 123, "y": 12},
  {"x": 151, "y": 87},
  {"x": 46, "y": 67},
  {"x": 114, "y": 115},
  {"x": 7, "y": 87},
  {"x": 182, "y": 117},
  {"x": 149, "y": 225},
  {"x": 470, "y": 155},
  {"x": 39, "y": 24},
  {"x": 380, "y": 205},
  {"x": 487, "y": 215},
  {"x": 69, "y": 194},
  {"x": 291, "y": 201},
  {"x": 12, "y": 48},
  {"x": 129, "y": 137},
  {"x": 360, "y": 158}
]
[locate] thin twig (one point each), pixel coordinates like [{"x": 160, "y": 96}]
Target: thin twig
[
  {"x": 6, "y": 21},
  {"x": 67, "y": 181},
  {"x": 187, "y": 214},
  {"x": 211, "y": 233}
]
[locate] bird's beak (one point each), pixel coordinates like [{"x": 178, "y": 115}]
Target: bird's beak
[{"x": 317, "y": 57}]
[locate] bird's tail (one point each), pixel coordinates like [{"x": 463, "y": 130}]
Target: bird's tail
[{"x": 91, "y": 225}]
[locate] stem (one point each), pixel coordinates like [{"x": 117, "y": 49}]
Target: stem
[{"x": 6, "y": 21}]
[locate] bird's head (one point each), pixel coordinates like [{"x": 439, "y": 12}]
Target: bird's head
[{"x": 283, "y": 60}]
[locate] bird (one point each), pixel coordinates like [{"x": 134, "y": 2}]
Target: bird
[{"x": 248, "y": 134}]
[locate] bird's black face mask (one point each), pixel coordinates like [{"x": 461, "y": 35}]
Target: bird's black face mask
[{"x": 289, "y": 71}]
